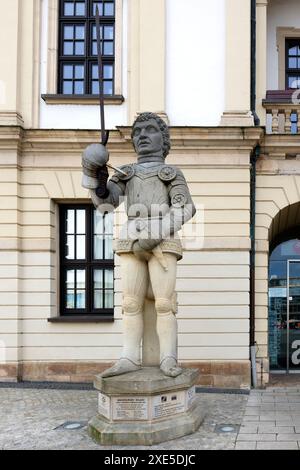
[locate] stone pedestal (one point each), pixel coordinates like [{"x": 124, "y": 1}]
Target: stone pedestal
[{"x": 145, "y": 408}]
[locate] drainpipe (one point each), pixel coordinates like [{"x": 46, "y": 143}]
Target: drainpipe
[
  {"x": 253, "y": 161},
  {"x": 254, "y": 158},
  {"x": 253, "y": 62}
]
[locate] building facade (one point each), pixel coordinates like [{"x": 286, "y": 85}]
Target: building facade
[{"x": 224, "y": 75}]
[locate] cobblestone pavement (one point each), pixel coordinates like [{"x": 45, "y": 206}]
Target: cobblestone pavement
[{"x": 30, "y": 419}]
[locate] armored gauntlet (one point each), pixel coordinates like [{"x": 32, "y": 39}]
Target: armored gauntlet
[{"x": 94, "y": 159}]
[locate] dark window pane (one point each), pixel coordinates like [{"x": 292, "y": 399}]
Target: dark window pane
[
  {"x": 79, "y": 32},
  {"x": 70, "y": 279},
  {"x": 79, "y": 71},
  {"x": 109, "y": 279},
  {"x": 108, "y": 89},
  {"x": 293, "y": 50},
  {"x": 67, "y": 88},
  {"x": 95, "y": 71},
  {"x": 68, "y": 32},
  {"x": 98, "y": 299},
  {"x": 108, "y": 248},
  {"x": 70, "y": 221},
  {"x": 100, "y": 7},
  {"x": 80, "y": 279},
  {"x": 98, "y": 279},
  {"x": 80, "y": 221},
  {"x": 80, "y": 299},
  {"x": 109, "y": 224},
  {"x": 293, "y": 82},
  {"x": 80, "y": 247},
  {"x": 293, "y": 63},
  {"x": 79, "y": 48},
  {"x": 68, "y": 48},
  {"x": 108, "y": 299},
  {"x": 98, "y": 247},
  {"x": 108, "y": 48},
  {"x": 68, "y": 71},
  {"x": 80, "y": 9},
  {"x": 70, "y": 249},
  {"x": 95, "y": 48},
  {"x": 69, "y": 9},
  {"x": 108, "y": 9},
  {"x": 107, "y": 71},
  {"x": 98, "y": 223},
  {"x": 108, "y": 32},
  {"x": 79, "y": 88},
  {"x": 70, "y": 299},
  {"x": 95, "y": 88}
]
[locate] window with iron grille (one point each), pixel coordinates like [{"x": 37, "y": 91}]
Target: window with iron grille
[
  {"x": 86, "y": 261},
  {"x": 77, "y": 68},
  {"x": 292, "y": 47}
]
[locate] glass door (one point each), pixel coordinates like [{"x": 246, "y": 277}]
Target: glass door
[{"x": 293, "y": 316}]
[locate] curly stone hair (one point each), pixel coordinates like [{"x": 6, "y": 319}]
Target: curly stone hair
[{"x": 162, "y": 126}]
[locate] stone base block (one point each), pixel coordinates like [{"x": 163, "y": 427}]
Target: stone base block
[
  {"x": 145, "y": 408},
  {"x": 146, "y": 434}
]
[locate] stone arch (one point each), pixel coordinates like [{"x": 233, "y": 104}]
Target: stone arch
[{"x": 277, "y": 215}]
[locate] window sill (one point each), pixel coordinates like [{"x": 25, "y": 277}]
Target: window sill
[
  {"x": 82, "y": 99},
  {"x": 82, "y": 319}
]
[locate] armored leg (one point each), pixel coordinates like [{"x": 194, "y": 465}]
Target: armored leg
[
  {"x": 135, "y": 284},
  {"x": 163, "y": 285}
]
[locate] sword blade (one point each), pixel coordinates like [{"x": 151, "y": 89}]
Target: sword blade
[{"x": 100, "y": 78}]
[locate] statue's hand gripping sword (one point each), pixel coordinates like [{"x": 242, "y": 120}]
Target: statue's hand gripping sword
[{"x": 104, "y": 133}]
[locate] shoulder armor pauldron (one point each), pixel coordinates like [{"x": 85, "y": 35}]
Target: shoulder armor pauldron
[
  {"x": 128, "y": 169},
  {"x": 167, "y": 173}
]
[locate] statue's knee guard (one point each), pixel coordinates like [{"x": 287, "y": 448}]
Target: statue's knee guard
[
  {"x": 131, "y": 306},
  {"x": 163, "y": 306}
]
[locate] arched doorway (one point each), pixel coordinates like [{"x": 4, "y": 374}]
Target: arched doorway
[{"x": 284, "y": 303}]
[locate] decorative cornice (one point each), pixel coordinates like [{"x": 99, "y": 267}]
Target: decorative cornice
[{"x": 72, "y": 142}]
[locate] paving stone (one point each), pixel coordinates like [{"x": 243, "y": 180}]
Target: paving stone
[
  {"x": 245, "y": 445},
  {"x": 277, "y": 446},
  {"x": 256, "y": 437},
  {"x": 250, "y": 419},
  {"x": 248, "y": 429},
  {"x": 252, "y": 411},
  {"x": 275, "y": 429},
  {"x": 288, "y": 437}
]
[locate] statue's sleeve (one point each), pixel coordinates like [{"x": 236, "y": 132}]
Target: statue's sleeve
[
  {"x": 182, "y": 208},
  {"x": 113, "y": 196}
]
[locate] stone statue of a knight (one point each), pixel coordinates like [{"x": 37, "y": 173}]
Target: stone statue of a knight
[{"x": 158, "y": 203}]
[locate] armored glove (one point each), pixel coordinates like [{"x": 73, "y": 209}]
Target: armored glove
[{"x": 95, "y": 174}]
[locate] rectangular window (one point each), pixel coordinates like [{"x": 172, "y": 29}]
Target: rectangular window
[
  {"x": 78, "y": 69},
  {"x": 292, "y": 47},
  {"x": 86, "y": 261}
]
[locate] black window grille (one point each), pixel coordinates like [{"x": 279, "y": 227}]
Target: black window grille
[
  {"x": 78, "y": 70},
  {"x": 86, "y": 261},
  {"x": 292, "y": 63}
]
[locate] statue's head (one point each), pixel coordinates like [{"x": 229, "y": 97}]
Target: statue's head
[{"x": 150, "y": 136}]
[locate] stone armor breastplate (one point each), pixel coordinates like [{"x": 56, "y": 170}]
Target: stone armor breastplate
[{"x": 146, "y": 195}]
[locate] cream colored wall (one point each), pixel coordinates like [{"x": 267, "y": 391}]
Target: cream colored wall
[
  {"x": 238, "y": 64},
  {"x": 213, "y": 281},
  {"x": 19, "y": 62}
]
